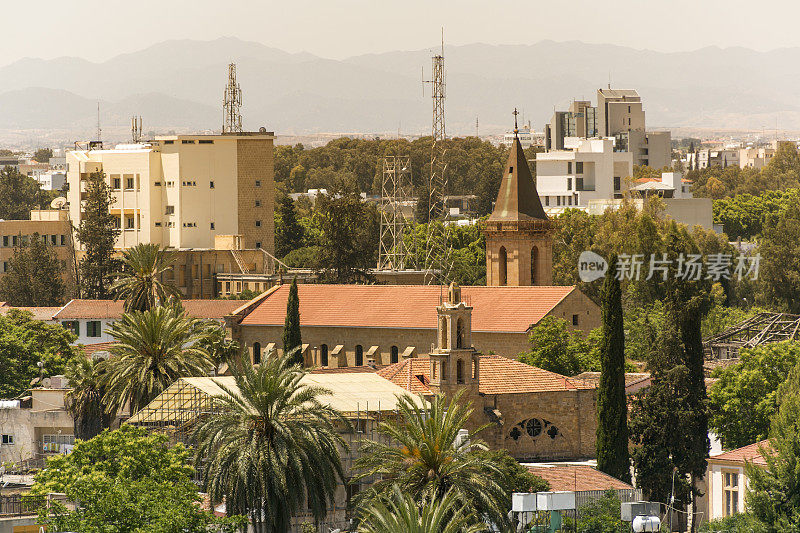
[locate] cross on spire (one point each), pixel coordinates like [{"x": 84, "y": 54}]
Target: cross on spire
[{"x": 516, "y": 128}]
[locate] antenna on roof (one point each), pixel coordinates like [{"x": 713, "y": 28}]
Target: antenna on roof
[
  {"x": 609, "y": 80},
  {"x": 99, "y": 130},
  {"x": 516, "y": 128}
]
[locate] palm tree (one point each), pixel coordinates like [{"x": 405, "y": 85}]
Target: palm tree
[
  {"x": 85, "y": 401},
  {"x": 423, "y": 454},
  {"x": 152, "y": 349},
  {"x": 271, "y": 446},
  {"x": 138, "y": 282},
  {"x": 400, "y": 512}
]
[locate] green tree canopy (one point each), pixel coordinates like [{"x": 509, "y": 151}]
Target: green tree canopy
[
  {"x": 289, "y": 234},
  {"x": 24, "y": 342},
  {"x": 555, "y": 347},
  {"x": 19, "y": 194},
  {"x": 97, "y": 232},
  {"x": 272, "y": 446},
  {"x": 152, "y": 349},
  {"x": 139, "y": 283},
  {"x": 128, "y": 481},
  {"x": 292, "y": 341},
  {"x": 43, "y": 155},
  {"x": 612, "y": 402},
  {"x": 35, "y": 275},
  {"x": 744, "y": 398},
  {"x": 774, "y": 489},
  {"x": 421, "y": 453}
]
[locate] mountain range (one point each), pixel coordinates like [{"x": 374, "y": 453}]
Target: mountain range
[{"x": 178, "y": 85}]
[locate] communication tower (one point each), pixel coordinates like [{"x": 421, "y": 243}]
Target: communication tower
[
  {"x": 395, "y": 196},
  {"x": 437, "y": 251},
  {"x": 136, "y": 129},
  {"x": 232, "y": 104}
]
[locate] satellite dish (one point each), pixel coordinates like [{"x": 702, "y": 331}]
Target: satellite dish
[{"x": 58, "y": 203}]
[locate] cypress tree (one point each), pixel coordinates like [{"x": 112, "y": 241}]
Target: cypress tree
[
  {"x": 612, "y": 407},
  {"x": 291, "y": 327},
  {"x": 97, "y": 232}
]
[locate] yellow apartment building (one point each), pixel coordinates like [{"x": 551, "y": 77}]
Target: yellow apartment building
[
  {"x": 53, "y": 227},
  {"x": 181, "y": 191}
]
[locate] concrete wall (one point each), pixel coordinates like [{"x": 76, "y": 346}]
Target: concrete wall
[{"x": 27, "y": 426}]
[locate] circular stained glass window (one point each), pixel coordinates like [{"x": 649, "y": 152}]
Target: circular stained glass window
[{"x": 534, "y": 427}]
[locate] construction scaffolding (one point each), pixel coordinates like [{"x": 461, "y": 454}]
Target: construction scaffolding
[
  {"x": 365, "y": 400},
  {"x": 232, "y": 104},
  {"x": 437, "y": 249},
  {"x": 763, "y": 328},
  {"x": 396, "y": 213}
]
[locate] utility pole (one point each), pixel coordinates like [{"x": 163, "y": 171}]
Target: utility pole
[
  {"x": 136, "y": 129},
  {"x": 99, "y": 130}
]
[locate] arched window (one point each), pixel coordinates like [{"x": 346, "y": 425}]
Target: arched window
[
  {"x": 444, "y": 371},
  {"x": 395, "y": 357},
  {"x": 503, "y": 266},
  {"x": 359, "y": 355},
  {"x": 256, "y": 353},
  {"x": 443, "y": 332},
  {"x": 323, "y": 355},
  {"x": 460, "y": 333},
  {"x": 459, "y": 371},
  {"x": 475, "y": 370},
  {"x": 534, "y": 265}
]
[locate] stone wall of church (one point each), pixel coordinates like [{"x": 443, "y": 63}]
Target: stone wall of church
[
  {"x": 505, "y": 344},
  {"x": 543, "y": 425}
]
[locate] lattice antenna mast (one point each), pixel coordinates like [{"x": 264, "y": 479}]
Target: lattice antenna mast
[
  {"x": 437, "y": 253},
  {"x": 395, "y": 196},
  {"x": 99, "y": 130},
  {"x": 136, "y": 129},
  {"x": 232, "y": 104}
]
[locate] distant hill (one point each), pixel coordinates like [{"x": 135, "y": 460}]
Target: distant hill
[{"x": 179, "y": 84}]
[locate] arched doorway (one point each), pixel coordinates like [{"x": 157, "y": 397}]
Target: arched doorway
[
  {"x": 359, "y": 355},
  {"x": 323, "y": 355},
  {"x": 256, "y": 353}
]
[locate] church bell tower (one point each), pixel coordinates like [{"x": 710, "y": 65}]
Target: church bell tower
[
  {"x": 519, "y": 242},
  {"x": 454, "y": 361}
]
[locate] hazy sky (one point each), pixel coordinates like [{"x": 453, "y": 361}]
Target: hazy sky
[{"x": 341, "y": 28}]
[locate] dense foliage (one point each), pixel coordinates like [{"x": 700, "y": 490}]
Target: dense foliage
[
  {"x": 555, "y": 347},
  {"x": 744, "y": 215},
  {"x": 774, "y": 489},
  {"x": 97, "y": 232},
  {"x": 24, "y": 342},
  {"x": 127, "y": 481},
  {"x": 34, "y": 275},
  {"x": 292, "y": 341},
  {"x": 19, "y": 194},
  {"x": 744, "y": 398},
  {"x": 139, "y": 282},
  {"x": 272, "y": 446},
  {"x": 612, "y": 403},
  {"x": 422, "y": 453},
  {"x": 473, "y": 166}
]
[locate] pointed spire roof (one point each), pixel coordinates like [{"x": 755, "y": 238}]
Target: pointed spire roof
[{"x": 517, "y": 200}]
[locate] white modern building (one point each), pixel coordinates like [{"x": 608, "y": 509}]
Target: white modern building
[
  {"x": 52, "y": 180},
  {"x": 585, "y": 170}
]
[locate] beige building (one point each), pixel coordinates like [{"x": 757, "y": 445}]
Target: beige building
[
  {"x": 53, "y": 227},
  {"x": 619, "y": 115},
  {"x": 37, "y": 425},
  {"x": 351, "y": 325},
  {"x": 181, "y": 191}
]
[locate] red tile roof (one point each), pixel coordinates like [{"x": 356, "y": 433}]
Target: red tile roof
[
  {"x": 749, "y": 453},
  {"x": 496, "y": 309},
  {"x": 39, "y": 313},
  {"x": 109, "y": 309},
  {"x": 498, "y": 375},
  {"x": 90, "y": 349},
  {"x": 577, "y": 478}
]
